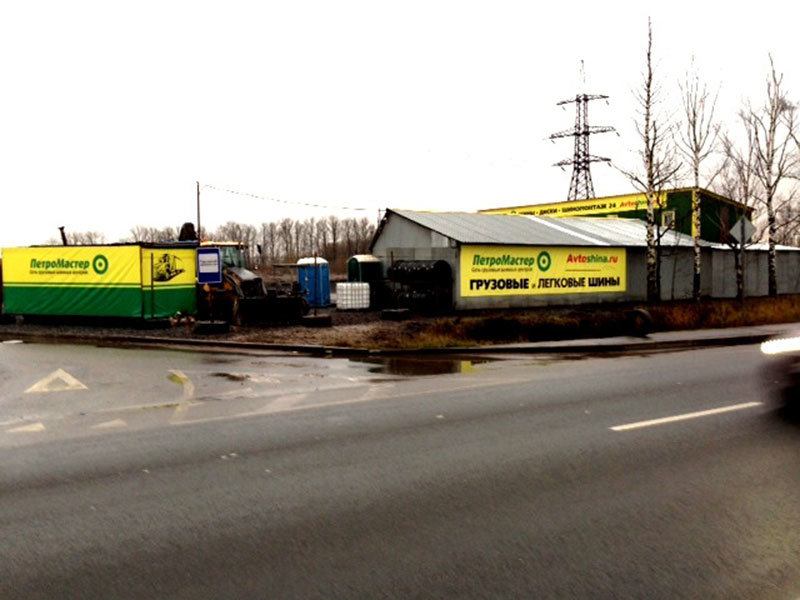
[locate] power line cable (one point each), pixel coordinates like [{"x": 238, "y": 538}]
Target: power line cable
[{"x": 268, "y": 199}]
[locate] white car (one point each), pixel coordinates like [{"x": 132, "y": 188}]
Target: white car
[{"x": 782, "y": 373}]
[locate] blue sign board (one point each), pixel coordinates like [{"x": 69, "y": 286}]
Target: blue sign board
[{"x": 209, "y": 265}]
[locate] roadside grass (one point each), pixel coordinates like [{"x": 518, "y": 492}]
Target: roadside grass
[
  {"x": 712, "y": 314},
  {"x": 550, "y": 324}
]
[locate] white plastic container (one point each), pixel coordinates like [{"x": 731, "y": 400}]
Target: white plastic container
[{"x": 352, "y": 296}]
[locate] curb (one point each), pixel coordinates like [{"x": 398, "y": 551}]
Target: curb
[{"x": 645, "y": 345}]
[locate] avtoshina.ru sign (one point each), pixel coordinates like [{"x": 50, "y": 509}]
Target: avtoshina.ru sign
[
  {"x": 105, "y": 281},
  {"x": 533, "y": 270}
]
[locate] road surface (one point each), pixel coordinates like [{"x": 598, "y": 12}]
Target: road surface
[{"x": 659, "y": 476}]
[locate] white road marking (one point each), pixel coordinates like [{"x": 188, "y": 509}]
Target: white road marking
[
  {"x": 110, "y": 424},
  {"x": 282, "y": 403},
  {"x": 684, "y": 417},
  {"x": 238, "y": 393},
  {"x": 391, "y": 394},
  {"x": 32, "y": 428},
  {"x": 58, "y": 381}
]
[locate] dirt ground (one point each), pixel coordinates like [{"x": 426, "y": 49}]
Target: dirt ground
[
  {"x": 366, "y": 329},
  {"x": 351, "y": 328},
  {"x": 354, "y": 329}
]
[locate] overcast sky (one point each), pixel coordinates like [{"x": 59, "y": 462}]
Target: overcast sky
[{"x": 111, "y": 111}]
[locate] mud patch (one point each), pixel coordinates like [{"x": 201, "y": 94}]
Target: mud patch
[{"x": 232, "y": 376}]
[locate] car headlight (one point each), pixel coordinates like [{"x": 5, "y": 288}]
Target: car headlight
[{"x": 781, "y": 345}]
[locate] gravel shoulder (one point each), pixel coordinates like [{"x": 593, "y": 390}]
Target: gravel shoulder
[{"x": 350, "y": 329}]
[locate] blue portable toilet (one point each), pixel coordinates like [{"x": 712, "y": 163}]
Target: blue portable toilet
[{"x": 314, "y": 276}]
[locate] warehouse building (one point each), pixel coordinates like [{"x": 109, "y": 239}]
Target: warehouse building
[
  {"x": 673, "y": 211},
  {"x": 507, "y": 261}
]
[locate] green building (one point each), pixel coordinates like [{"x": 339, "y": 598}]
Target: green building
[{"x": 674, "y": 211}]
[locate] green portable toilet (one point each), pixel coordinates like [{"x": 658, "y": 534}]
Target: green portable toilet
[{"x": 364, "y": 268}]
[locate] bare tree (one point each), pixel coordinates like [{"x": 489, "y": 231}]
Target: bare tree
[
  {"x": 321, "y": 236},
  {"x": 334, "y": 227},
  {"x": 788, "y": 219},
  {"x": 298, "y": 239},
  {"x": 310, "y": 238},
  {"x": 772, "y": 127},
  {"x": 167, "y": 234},
  {"x": 366, "y": 230},
  {"x": 659, "y": 162},
  {"x": 286, "y": 240},
  {"x": 141, "y": 233},
  {"x": 285, "y": 228},
  {"x": 350, "y": 230},
  {"x": 249, "y": 237},
  {"x": 80, "y": 238},
  {"x": 228, "y": 232},
  {"x": 269, "y": 241},
  {"x": 698, "y": 139},
  {"x": 739, "y": 183}
]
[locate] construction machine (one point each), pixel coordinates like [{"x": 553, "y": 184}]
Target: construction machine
[{"x": 242, "y": 297}]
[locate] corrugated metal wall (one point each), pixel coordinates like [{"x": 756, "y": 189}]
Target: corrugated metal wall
[{"x": 401, "y": 239}]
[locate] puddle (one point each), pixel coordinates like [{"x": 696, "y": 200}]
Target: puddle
[{"x": 420, "y": 366}]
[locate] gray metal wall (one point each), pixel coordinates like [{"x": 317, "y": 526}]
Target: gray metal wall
[
  {"x": 756, "y": 281},
  {"x": 677, "y": 273},
  {"x": 399, "y": 233},
  {"x": 401, "y": 239}
]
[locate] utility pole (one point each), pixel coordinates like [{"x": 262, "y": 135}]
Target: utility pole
[
  {"x": 199, "y": 236},
  {"x": 581, "y": 186}
]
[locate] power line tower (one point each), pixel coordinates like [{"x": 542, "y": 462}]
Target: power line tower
[{"x": 581, "y": 185}]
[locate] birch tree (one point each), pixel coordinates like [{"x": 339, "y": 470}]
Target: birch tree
[
  {"x": 739, "y": 183},
  {"x": 772, "y": 127},
  {"x": 697, "y": 141},
  {"x": 659, "y": 163}
]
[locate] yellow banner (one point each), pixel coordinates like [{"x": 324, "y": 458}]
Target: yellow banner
[
  {"x": 577, "y": 208},
  {"x": 535, "y": 270},
  {"x": 72, "y": 266},
  {"x": 169, "y": 267}
]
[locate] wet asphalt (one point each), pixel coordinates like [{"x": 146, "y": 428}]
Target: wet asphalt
[{"x": 496, "y": 479}]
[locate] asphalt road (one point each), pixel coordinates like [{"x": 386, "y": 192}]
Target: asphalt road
[{"x": 507, "y": 479}]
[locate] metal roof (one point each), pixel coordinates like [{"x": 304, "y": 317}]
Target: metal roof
[
  {"x": 525, "y": 230},
  {"x": 761, "y": 247},
  {"x": 630, "y": 195}
]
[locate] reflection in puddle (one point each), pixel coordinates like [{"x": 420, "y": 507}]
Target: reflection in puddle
[{"x": 403, "y": 365}]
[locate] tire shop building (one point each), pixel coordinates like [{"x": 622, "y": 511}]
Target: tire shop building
[
  {"x": 478, "y": 261},
  {"x": 674, "y": 210}
]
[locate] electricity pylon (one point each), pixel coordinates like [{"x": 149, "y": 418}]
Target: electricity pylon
[{"x": 581, "y": 185}]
